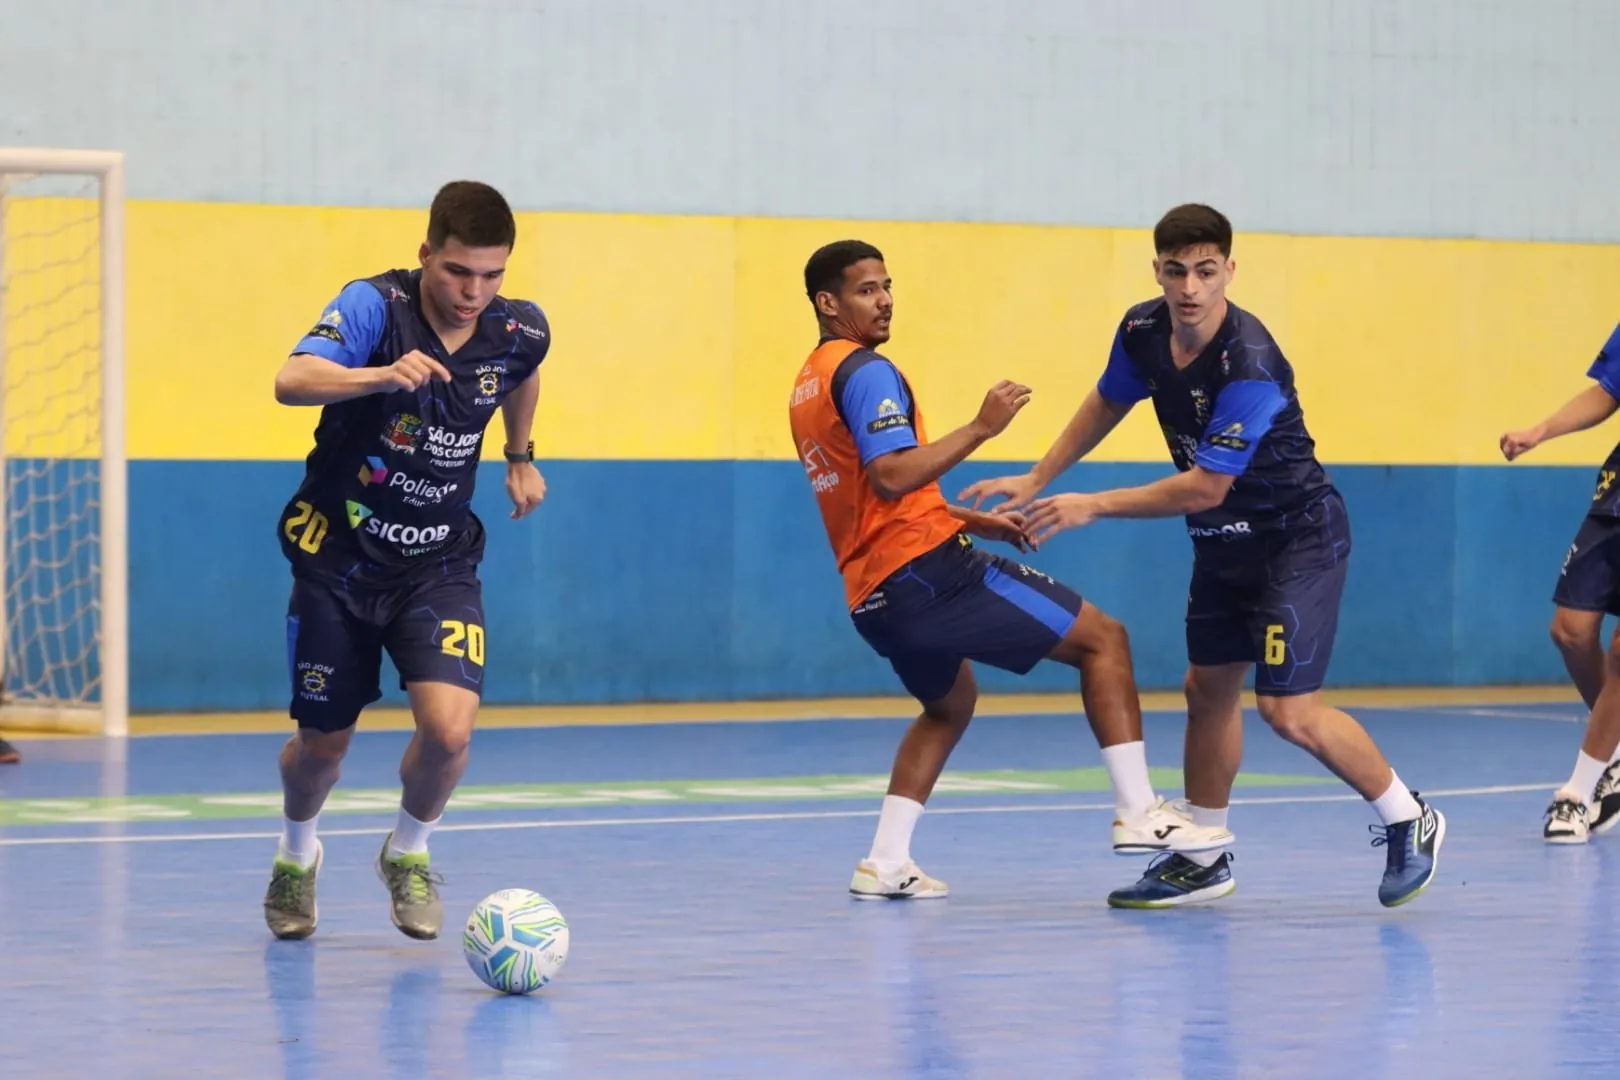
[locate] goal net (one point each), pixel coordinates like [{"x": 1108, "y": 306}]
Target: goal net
[{"x": 63, "y": 636}]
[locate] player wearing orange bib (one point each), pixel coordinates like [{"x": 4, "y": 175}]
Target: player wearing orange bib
[{"x": 924, "y": 597}]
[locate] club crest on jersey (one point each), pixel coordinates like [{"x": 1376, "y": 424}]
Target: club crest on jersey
[
  {"x": 489, "y": 383},
  {"x": 404, "y": 433}
]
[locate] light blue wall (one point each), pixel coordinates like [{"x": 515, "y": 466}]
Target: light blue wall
[{"x": 1494, "y": 118}]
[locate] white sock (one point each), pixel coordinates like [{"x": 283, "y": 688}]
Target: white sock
[
  {"x": 1397, "y": 804},
  {"x": 891, "y": 847},
  {"x": 298, "y": 841},
  {"x": 1128, "y": 772},
  {"x": 1588, "y": 771},
  {"x": 410, "y": 836},
  {"x": 1207, "y": 818}
]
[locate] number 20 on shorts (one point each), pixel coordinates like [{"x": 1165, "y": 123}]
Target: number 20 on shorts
[
  {"x": 1276, "y": 647},
  {"x": 463, "y": 639}
]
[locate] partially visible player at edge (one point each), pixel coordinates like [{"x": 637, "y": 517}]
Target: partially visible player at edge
[
  {"x": 1270, "y": 540},
  {"x": 1588, "y": 587},
  {"x": 923, "y": 596},
  {"x": 410, "y": 367}
]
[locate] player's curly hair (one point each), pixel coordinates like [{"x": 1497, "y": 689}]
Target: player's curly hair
[
  {"x": 1192, "y": 225},
  {"x": 474, "y": 213},
  {"x": 825, "y": 270}
]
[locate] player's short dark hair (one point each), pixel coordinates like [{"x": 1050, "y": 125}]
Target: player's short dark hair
[
  {"x": 474, "y": 213},
  {"x": 825, "y": 270},
  {"x": 1192, "y": 225}
]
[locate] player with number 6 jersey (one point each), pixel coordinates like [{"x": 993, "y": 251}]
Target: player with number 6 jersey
[
  {"x": 1271, "y": 544},
  {"x": 409, "y": 368}
]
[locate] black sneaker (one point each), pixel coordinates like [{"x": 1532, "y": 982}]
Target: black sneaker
[{"x": 8, "y": 753}]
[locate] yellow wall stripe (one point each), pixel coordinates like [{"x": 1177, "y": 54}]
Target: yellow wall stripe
[{"x": 677, "y": 337}]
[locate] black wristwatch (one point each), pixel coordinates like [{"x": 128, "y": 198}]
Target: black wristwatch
[{"x": 520, "y": 459}]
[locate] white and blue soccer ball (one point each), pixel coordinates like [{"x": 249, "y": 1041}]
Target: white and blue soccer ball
[{"x": 516, "y": 941}]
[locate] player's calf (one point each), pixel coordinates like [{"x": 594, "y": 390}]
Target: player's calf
[
  {"x": 311, "y": 763},
  {"x": 888, "y": 872}
]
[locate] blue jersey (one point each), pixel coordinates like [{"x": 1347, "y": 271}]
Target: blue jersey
[
  {"x": 389, "y": 486},
  {"x": 1606, "y": 370},
  {"x": 1233, "y": 410}
]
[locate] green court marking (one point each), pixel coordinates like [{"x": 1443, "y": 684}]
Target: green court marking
[{"x": 91, "y": 811}]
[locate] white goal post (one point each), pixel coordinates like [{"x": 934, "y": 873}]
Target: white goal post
[{"x": 64, "y": 634}]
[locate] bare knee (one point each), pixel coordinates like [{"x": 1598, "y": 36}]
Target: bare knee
[
  {"x": 317, "y": 751},
  {"x": 445, "y": 716},
  {"x": 445, "y": 740},
  {"x": 1214, "y": 692},
  {"x": 1291, "y": 717},
  {"x": 1108, "y": 636},
  {"x": 1201, "y": 699},
  {"x": 1576, "y": 631},
  {"x": 1092, "y": 638},
  {"x": 955, "y": 709}
]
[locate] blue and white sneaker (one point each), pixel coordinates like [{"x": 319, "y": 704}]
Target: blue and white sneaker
[
  {"x": 1172, "y": 880},
  {"x": 1414, "y": 852}
]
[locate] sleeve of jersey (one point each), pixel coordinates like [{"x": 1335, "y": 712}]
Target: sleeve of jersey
[
  {"x": 1121, "y": 383},
  {"x": 1243, "y": 414},
  {"x": 350, "y": 328},
  {"x": 878, "y": 411},
  {"x": 1606, "y": 368},
  {"x": 535, "y": 331}
]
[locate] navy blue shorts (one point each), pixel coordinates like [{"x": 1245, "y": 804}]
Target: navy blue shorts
[
  {"x": 959, "y": 603},
  {"x": 1590, "y": 579},
  {"x": 433, "y": 631},
  {"x": 1272, "y": 601}
]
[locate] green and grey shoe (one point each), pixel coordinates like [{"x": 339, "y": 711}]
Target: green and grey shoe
[
  {"x": 289, "y": 904},
  {"x": 413, "y": 891}
]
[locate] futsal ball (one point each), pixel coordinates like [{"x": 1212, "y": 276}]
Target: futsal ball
[{"x": 516, "y": 941}]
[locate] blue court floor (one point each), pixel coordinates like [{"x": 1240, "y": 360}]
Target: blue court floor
[{"x": 703, "y": 866}]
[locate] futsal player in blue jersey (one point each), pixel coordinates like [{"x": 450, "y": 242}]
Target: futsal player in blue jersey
[
  {"x": 1271, "y": 544},
  {"x": 409, "y": 367},
  {"x": 1588, "y": 588}
]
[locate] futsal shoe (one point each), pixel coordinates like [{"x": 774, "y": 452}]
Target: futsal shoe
[
  {"x": 1173, "y": 880},
  {"x": 413, "y": 893},
  {"x": 1414, "y": 853},
  {"x": 8, "y": 753},
  {"x": 1606, "y": 800},
  {"x": 1567, "y": 820},
  {"x": 289, "y": 904},
  {"x": 906, "y": 883},
  {"x": 1166, "y": 826}
]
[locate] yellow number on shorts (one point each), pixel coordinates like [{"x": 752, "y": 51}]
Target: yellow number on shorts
[
  {"x": 314, "y": 523},
  {"x": 1276, "y": 647},
  {"x": 463, "y": 639}
]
